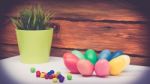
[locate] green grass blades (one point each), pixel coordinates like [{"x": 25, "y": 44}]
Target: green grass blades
[{"x": 33, "y": 19}]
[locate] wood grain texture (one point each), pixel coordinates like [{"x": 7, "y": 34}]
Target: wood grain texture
[
  {"x": 131, "y": 38},
  {"x": 95, "y": 10}
]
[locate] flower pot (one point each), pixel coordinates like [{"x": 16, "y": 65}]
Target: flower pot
[{"x": 34, "y": 45}]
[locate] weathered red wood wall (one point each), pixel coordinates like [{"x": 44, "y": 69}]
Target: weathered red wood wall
[{"x": 95, "y": 24}]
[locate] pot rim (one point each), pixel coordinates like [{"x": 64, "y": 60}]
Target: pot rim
[{"x": 35, "y": 30}]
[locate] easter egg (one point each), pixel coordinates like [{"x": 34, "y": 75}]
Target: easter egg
[
  {"x": 78, "y": 54},
  {"x": 85, "y": 67},
  {"x": 102, "y": 68},
  {"x": 69, "y": 55},
  {"x": 127, "y": 59},
  {"x": 118, "y": 64},
  {"x": 116, "y": 54},
  {"x": 91, "y": 56},
  {"x": 105, "y": 54},
  {"x": 70, "y": 62}
]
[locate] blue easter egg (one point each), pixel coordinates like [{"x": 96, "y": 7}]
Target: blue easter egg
[
  {"x": 116, "y": 54},
  {"x": 105, "y": 54}
]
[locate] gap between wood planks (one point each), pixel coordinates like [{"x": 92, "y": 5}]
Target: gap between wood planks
[
  {"x": 86, "y": 20},
  {"x": 105, "y": 20}
]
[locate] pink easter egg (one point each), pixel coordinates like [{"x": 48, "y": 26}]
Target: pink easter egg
[
  {"x": 85, "y": 67},
  {"x": 69, "y": 55},
  {"x": 70, "y": 62},
  {"x": 102, "y": 68}
]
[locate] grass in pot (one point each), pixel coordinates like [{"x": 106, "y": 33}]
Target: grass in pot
[{"x": 34, "y": 36}]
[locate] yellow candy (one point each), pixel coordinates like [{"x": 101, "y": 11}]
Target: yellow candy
[
  {"x": 42, "y": 75},
  {"x": 55, "y": 80},
  {"x": 117, "y": 65},
  {"x": 58, "y": 72}
]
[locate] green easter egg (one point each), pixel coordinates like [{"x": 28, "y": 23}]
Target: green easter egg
[
  {"x": 78, "y": 54},
  {"x": 91, "y": 56}
]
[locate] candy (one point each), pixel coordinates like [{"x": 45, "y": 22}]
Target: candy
[
  {"x": 102, "y": 68},
  {"x": 50, "y": 77},
  {"x": 59, "y": 76},
  {"x": 116, "y": 54},
  {"x": 38, "y": 73},
  {"x": 78, "y": 54},
  {"x": 91, "y": 56},
  {"x": 85, "y": 67},
  {"x": 32, "y": 69},
  {"x": 51, "y": 72},
  {"x": 69, "y": 76},
  {"x": 55, "y": 80},
  {"x": 70, "y": 62},
  {"x": 117, "y": 65},
  {"x": 58, "y": 72},
  {"x": 46, "y": 76},
  {"x": 54, "y": 75},
  {"x": 42, "y": 75},
  {"x": 61, "y": 79},
  {"x": 105, "y": 54}
]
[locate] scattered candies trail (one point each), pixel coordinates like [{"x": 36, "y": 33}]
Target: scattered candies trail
[
  {"x": 104, "y": 64},
  {"x": 55, "y": 76},
  {"x": 69, "y": 76},
  {"x": 32, "y": 70}
]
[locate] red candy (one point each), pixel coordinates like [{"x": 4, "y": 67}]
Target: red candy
[
  {"x": 54, "y": 76},
  {"x": 46, "y": 76},
  {"x": 50, "y": 76},
  {"x": 38, "y": 73}
]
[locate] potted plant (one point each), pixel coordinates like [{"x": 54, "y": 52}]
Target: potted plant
[{"x": 34, "y": 36}]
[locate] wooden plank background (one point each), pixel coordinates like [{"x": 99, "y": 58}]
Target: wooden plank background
[{"x": 95, "y": 24}]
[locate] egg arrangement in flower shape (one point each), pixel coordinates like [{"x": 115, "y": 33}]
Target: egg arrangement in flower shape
[{"x": 104, "y": 64}]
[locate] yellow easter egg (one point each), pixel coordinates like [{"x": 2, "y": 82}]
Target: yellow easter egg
[
  {"x": 117, "y": 65},
  {"x": 127, "y": 59}
]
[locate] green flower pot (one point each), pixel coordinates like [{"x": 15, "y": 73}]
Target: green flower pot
[{"x": 34, "y": 45}]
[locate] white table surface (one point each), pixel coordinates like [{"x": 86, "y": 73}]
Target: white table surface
[{"x": 13, "y": 71}]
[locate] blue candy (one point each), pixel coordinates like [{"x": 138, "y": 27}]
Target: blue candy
[
  {"x": 105, "y": 54},
  {"x": 61, "y": 79},
  {"x": 59, "y": 76},
  {"x": 51, "y": 72},
  {"x": 116, "y": 54}
]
